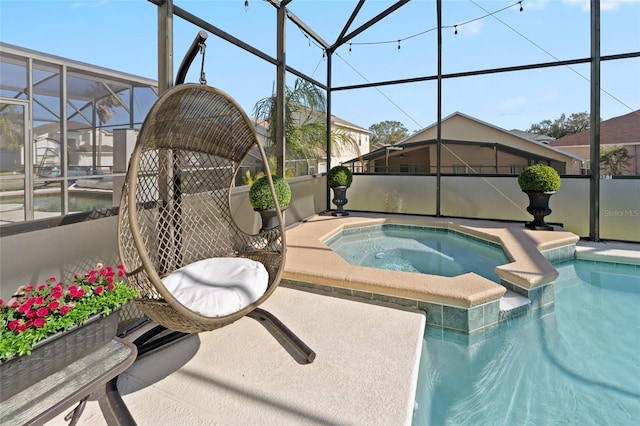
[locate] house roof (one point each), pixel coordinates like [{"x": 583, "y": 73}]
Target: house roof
[
  {"x": 415, "y": 140},
  {"x": 624, "y": 129},
  {"x": 532, "y": 136},
  {"x": 493, "y": 126}
]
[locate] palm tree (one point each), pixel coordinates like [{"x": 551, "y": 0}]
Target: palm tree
[{"x": 305, "y": 122}]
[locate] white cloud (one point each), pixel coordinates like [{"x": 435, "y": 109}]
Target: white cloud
[{"x": 472, "y": 28}]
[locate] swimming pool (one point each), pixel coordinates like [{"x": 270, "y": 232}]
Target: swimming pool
[
  {"x": 427, "y": 250},
  {"x": 578, "y": 364},
  {"x": 78, "y": 202}
]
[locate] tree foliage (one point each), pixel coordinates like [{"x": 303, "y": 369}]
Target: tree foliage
[
  {"x": 11, "y": 127},
  {"x": 387, "y": 132},
  {"x": 305, "y": 121},
  {"x": 614, "y": 160},
  {"x": 562, "y": 126}
]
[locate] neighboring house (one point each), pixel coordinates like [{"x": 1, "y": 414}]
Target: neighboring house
[
  {"x": 623, "y": 131},
  {"x": 534, "y": 136},
  {"x": 469, "y": 146},
  {"x": 340, "y": 152}
]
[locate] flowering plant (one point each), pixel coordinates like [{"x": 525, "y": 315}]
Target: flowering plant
[{"x": 36, "y": 312}]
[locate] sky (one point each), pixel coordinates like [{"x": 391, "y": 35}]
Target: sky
[{"x": 121, "y": 35}]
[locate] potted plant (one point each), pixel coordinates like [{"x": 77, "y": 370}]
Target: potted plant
[
  {"x": 46, "y": 327},
  {"x": 339, "y": 178},
  {"x": 262, "y": 201},
  {"x": 539, "y": 182}
]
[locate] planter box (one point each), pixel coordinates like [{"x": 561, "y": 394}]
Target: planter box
[{"x": 55, "y": 352}]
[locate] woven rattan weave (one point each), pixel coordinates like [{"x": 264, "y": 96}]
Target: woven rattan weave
[{"x": 175, "y": 207}]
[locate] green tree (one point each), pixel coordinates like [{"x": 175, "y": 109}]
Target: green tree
[
  {"x": 387, "y": 132},
  {"x": 305, "y": 122},
  {"x": 11, "y": 127},
  {"x": 614, "y": 160},
  {"x": 562, "y": 125}
]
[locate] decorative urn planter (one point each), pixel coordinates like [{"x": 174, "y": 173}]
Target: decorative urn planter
[
  {"x": 339, "y": 179},
  {"x": 262, "y": 201},
  {"x": 539, "y": 208},
  {"x": 539, "y": 182},
  {"x": 340, "y": 199}
]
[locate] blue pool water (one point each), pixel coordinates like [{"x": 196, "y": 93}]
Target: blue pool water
[
  {"x": 578, "y": 364},
  {"x": 434, "y": 251}
]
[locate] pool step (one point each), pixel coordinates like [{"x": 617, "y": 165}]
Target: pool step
[{"x": 513, "y": 304}]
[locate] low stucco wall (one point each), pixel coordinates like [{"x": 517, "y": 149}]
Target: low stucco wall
[
  {"x": 500, "y": 198},
  {"x": 31, "y": 257}
]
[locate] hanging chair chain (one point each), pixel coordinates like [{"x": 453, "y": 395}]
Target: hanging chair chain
[{"x": 203, "y": 79}]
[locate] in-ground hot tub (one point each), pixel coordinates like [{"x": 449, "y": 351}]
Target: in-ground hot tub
[
  {"x": 428, "y": 250},
  {"x": 468, "y": 302}
]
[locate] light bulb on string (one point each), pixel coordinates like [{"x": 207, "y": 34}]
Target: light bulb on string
[
  {"x": 246, "y": 5},
  {"x": 349, "y": 47},
  {"x": 455, "y": 32},
  {"x": 521, "y": 8},
  {"x": 398, "y": 44}
]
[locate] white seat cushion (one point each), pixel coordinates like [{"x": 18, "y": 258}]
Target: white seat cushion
[{"x": 218, "y": 286}]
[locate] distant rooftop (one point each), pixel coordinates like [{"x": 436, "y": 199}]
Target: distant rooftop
[{"x": 624, "y": 129}]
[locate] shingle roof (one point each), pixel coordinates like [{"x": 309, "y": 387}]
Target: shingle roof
[{"x": 624, "y": 129}]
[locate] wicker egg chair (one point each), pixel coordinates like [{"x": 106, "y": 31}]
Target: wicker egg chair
[{"x": 176, "y": 224}]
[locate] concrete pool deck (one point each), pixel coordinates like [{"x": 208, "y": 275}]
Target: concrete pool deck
[{"x": 365, "y": 371}]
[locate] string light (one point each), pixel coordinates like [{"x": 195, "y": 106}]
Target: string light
[
  {"x": 246, "y": 5},
  {"x": 455, "y": 27}
]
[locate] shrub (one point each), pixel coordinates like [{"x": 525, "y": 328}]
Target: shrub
[
  {"x": 539, "y": 177},
  {"x": 339, "y": 176},
  {"x": 260, "y": 194}
]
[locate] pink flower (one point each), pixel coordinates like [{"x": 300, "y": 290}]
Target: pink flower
[
  {"x": 51, "y": 279},
  {"x": 73, "y": 292},
  {"x": 28, "y": 288},
  {"x": 1, "y": 302},
  {"x": 80, "y": 292},
  {"x": 121, "y": 273},
  {"x": 109, "y": 279},
  {"x": 65, "y": 310},
  {"x": 53, "y": 305},
  {"x": 56, "y": 294},
  {"x": 38, "y": 322},
  {"x": 24, "y": 308},
  {"x": 98, "y": 289},
  {"x": 13, "y": 324},
  {"x": 99, "y": 266},
  {"x": 42, "y": 287},
  {"x": 92, "y": 278},
  {"x": 42, "y": 312},
  {"x": 111, "y": 287},
  {"x": 103, "y": 272},
  {"x": 31, "y": 313},
  {"x": 39, "y": 300}
]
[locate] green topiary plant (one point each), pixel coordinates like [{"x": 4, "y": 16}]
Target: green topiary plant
[
  {"x": 539, "y": 177},
  {"x": 260, "y": 194},
  {"x": 339, "y": 176}
]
